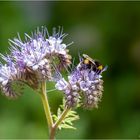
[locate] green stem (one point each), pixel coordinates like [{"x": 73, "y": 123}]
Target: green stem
[
  {"x": 52, "y": 126},
  {"x": 46, "y": 105},
  {"x": 53, "y": 130}
]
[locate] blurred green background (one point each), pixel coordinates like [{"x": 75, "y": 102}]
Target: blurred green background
[{"x": 108, "y": 31}]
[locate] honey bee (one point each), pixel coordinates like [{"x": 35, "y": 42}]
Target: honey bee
[{"x": 88, "y": 63}]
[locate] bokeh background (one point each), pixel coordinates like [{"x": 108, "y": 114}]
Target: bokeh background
[{"x": 108, "y": 31}]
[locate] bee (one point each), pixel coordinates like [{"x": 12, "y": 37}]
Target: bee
[{"x": 89, "y": 63}]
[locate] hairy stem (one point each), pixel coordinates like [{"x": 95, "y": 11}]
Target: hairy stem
[
  {"x": 52, "y": 126},
  {"x": 55, "y": 126},
  {"x": 46, "y": 105}
]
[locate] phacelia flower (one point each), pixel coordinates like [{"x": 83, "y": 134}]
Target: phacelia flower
[
  {"x": 71, "y": 92},
  {"x": 34, "y": 58},
  {"x": 30, "y": 58},
  {"x": 10, "y": 80},
  {"x": 91, "y": 88},
  {"x": 87, "y": 82},
  {"x": 58, "y": 51},
  {"x": 39, "y": 52}
]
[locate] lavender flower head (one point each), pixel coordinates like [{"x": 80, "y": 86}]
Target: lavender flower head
[
  {"x": 33, "y": 59},
  {"x": 70, "y": 90},
  {"x": 84, "y": 85},
  {"x": 10, "y": 80}
]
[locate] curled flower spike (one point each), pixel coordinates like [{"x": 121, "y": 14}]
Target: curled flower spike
[
  {"x": 91, "y": 88},
  {"x": 89, "y": 81},
  {"x": 86, "y": 80},
  {"x": 58, "y": 51},
  {"x": 10, "y": 81},
  {"x": 71, "y": 92}
]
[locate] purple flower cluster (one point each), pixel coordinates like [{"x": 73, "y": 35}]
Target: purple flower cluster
[
  {"x": 71, "y": 92},
  {"x": 84, "y": 86},
  {"x": 32, "y": 61},
  {"x": 39, "y": 58}
]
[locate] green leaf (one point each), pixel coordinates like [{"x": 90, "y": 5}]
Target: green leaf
[{"x": 71, "y": 116}]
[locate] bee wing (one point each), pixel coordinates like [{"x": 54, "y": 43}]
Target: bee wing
[{"x": 89, "y": 58}]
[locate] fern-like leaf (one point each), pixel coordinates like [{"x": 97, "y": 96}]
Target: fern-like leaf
[{"x": 69, "y": 118}]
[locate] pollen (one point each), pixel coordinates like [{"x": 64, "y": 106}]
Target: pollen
[
  {"x": 100, "y": 67},
  {"x": 86, "y": 61}
]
